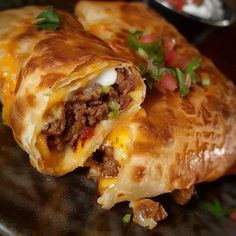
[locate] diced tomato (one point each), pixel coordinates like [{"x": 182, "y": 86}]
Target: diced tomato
[
  {"x": 148, "y": 38},
  {"x": 170, "y": 57},
  {"x": 188, "y": 81},
  {"x": 177, "y": 4},
  {"x": 86, "y": 132},
  {"x": 169, "y": 43},
  {"x": 168, "y": 82},
  {"x": 233, "y": 215},
  {"x": 181, "y": 62}
]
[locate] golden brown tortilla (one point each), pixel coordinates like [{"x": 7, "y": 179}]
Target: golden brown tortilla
[
  {"x": 174, "y": 142},
  {"x": 39, "y": 72}
]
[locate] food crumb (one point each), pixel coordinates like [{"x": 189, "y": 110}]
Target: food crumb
[{"x": 126, "y": 218}]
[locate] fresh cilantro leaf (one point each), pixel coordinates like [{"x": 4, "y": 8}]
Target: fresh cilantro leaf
[
  {"x": 133, "y": 39},
  {"x": 106, "y": 89},
  {"x": 149, "y": 48},
  {"x": 183, "y": 88},
  {"x": 113, "y": 105},
  {"x": 126, "y": 218},
  {"x": 157, "y": 72},
  {"x": 206, "y": 82},
  {"x": 155, "y": 75},
  {"x": 112, "y": 114},
  {"x": 48, "y": 19},
  {"x": 205, "y": 78},
  {"x": 142, "y": 53},
  {"x": 114, "y": 108},
  {"x": 216, "y": 209},
  {"x": 167, "y": 69},
  {"x": 195, "y": 64},
  {"x": 159, "y": 58}
]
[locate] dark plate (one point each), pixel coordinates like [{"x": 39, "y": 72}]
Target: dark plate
[{"x": 35, "y": 204}]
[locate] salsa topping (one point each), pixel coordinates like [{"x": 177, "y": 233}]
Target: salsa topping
[
  {"x": 163, "y": 67},
  {"x": 48, "y": 19}
]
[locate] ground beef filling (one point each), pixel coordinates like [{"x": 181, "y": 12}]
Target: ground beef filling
[
  {"x": 147, "y": 212},
  {"x": 105, "y": 166},
  {"x": 85, "y": 109}
]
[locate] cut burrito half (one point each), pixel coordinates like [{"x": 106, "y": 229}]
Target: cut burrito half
[
  {"x": 62, "y": 89},
  {"x": 186, "y": 132}
]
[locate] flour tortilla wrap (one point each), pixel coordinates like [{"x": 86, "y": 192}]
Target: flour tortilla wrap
[
  {"x": 42, "y": 71},
  {"x": 174, "y": 142}
]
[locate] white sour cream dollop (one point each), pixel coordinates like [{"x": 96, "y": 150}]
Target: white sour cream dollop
[
  {"x": 210, "y": 9},
  {"x": 107, "y": 77}
]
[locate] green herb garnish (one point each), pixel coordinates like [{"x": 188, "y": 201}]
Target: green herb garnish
[
  {"x": 112, "y": 114},
  {"x": 114, "y": 108},
  {"x": 149, "y": 48},
  {"x": 159, "y": 58},
  {"x": 48, "y": 19},
  {"x": 189, "y": 70},
  {"x": 154, "y": 53},
  {"x": 206, "y": 82},
  {"x": 106, "y": 89},
  {"x": 216, "y": 209},
  {"x": 205, "y": 79},
  {"x": 155, "y": 75},
  {"x": 126, "y": 218},
  {"x": 183, "y": 88},
  {"x": 113, "y": 105}
]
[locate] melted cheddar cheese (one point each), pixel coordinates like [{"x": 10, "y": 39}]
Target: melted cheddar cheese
[
  {"x": 8, "y": 75},
  {"x": 9, "y": 64},
  {"x": 120, "y": 140},
  {"x": 105, "y": 183}
]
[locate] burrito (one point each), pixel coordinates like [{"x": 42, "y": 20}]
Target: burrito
[
  {"x": 185, "y": 132},
  {"x": 61, "y": 88}
]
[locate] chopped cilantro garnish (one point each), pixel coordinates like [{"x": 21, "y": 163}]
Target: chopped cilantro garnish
[
  {"x": 155, "y": 75},
  {"x": 48, "y": 19},
  {"x": 159, "y": 58},
  {"x": 205, "y": 78},
  {"x": 114, "y": 108},
  {"x": 126, "y": 218},
  {"x": 167, "y": 69},
  {"x": 196, "y": 62},
  {"x": 113, "y": 105},
  {"x": 215, "y": 208},
  {"x": 132, "y": 30},
  {"x": 112, "y": 114},
  {"x": 149, "y": 48},
  {"x": 206, "y": 82},
  {"x": 154, "y": 51},
  {"x": 142, "y": 53},
  {"x": 106, "y": 89},
  {"x": 183, "y": 88}
]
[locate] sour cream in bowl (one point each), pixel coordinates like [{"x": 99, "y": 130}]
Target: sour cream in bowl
[{"x": 210, "y": 12}]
